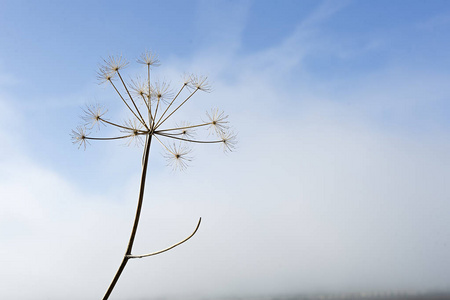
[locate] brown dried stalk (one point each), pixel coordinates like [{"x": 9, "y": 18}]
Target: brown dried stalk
[{"x": 148, "y": 124}]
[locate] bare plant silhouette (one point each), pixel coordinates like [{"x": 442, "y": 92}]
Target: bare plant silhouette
[{"x": 146, "y": 124}]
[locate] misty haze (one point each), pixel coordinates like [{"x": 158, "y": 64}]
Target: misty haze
[{"x": 337, "y": 187}]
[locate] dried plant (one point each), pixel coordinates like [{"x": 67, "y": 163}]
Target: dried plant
[{"x": 150, "y": 106}]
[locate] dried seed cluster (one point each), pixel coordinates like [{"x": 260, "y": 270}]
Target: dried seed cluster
[{"x": 159, "y": 104}]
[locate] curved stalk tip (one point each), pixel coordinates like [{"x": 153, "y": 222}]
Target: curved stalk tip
[{"x": 168, "y": 248}]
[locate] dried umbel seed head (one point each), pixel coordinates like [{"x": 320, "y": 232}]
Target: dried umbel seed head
[
  {"x": 185, "y": 130},
  {"x": 79, "y": 136},
  {"x": 104, "y": 75},
  {"x": 149, "y": 58},
  {"x": 93, "y": 115},
  {"x": 200, "y": 83},
  {"x": 178, "y": 156},
  {"x": 113, "y": 64},
  {"x": 217, "y": 121},
  {"x": 229, "y": 141},
  {"x": 139, "y": 87},
  {"x": 135, "y": 131},
  {"x": 187, "y": 79},
  {"x": 149, "y": 120},
  {"x": 161, "y": 92}
]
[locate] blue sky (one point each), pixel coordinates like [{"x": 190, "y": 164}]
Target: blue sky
[{"x": 339, "y": 183}]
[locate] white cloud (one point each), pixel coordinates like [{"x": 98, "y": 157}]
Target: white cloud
[{"x": 318, "y": 196}]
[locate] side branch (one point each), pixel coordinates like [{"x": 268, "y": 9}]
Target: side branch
[
  {"x": 181, "y": 128},
  {"x": 108, "y": 138},
  {"x": 187, "y": 140},
  {"x": 149, "y": 109},
  {"x": 131, "y": 98},
  {"x": 185, "y": 100},
  {"x": 120, "y": 126},
  {"x": 121, "y": 97},
  {"x": 167, "y": 249},
  {"x": 170, "y": 104}
]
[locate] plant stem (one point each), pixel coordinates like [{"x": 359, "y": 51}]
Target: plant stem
[{"x": 136, "y": 218}]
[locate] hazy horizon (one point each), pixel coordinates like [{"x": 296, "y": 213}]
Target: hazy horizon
[{"x": 339, "y": 182}]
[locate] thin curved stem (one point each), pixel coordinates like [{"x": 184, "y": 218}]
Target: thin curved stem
[
  {"x": 132, "y": 101},
  {"x": 149, "y": 97},
  {"x": 185, "y": 127},
  {"x": 149, "y": 109},
  {"x": 168, "y": 248},
  {"x": 143, "y": 153},
  {"x": 110, "y": 138},
  {"x": 117, "y": 125},
  {"x": 161, "y": 122},
  {"x": 156, "y": 111},
  {"x": 141, "y": 196},
  {"x": 173, "y": 100},
  {"x": 163, "y": 145},
  {"x": 136, "y": 220},
  {"x": 121, "y": 97},
  {"x": 187, "y": 140}
]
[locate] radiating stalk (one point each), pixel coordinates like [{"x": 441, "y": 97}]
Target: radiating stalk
[
  {"x": 136, "y": 219},
  {"x": 185, "y": 100}
]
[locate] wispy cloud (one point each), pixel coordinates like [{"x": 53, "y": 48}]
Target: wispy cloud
[
  {"x": 324, "y": 11},
  {"x": 326, "y": 191}
]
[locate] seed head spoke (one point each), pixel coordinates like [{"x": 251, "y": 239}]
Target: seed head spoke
[
  {"x": 189, "y": 140},
  {"x": 141, "y": 119}
]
